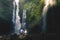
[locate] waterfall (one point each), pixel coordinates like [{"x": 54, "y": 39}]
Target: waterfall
[
  {"x": 24, "y": 19},
  {"x": 44, "y": 13},
  {"x": 23, "y": 28},
  {"x": 16, "y": 17}
]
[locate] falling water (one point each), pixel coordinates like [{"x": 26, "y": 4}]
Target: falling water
[
  {"x": 24, "y": 19},
  {"x": 16, "y": 18},
  {"x": 23, "y": 28},
  {"x": 44, "y": 13}
]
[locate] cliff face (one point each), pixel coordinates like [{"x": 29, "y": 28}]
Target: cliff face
[
  {"x": 53, "y": 16},
  {"x": 5, "y": 9},
  {"x": 5, "y": 16}
]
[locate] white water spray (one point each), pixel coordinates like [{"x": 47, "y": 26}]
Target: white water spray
[
  {"x": 16, "y": 18},
  {"x": 45, "y": 9}
]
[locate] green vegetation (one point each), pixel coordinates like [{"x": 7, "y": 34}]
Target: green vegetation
[{"x": 34, "y": 8}]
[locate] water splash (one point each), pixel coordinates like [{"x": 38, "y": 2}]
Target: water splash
[
  {"x": 16, "y": 18},
  {"x": 44, "y": 13}
]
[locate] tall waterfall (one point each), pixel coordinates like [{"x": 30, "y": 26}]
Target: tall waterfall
[
  {"x": 16, "y": 17},
  {"x": 44, "y": 13}
]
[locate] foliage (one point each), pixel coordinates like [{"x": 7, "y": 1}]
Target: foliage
[{"x": 35, "y": 8}]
